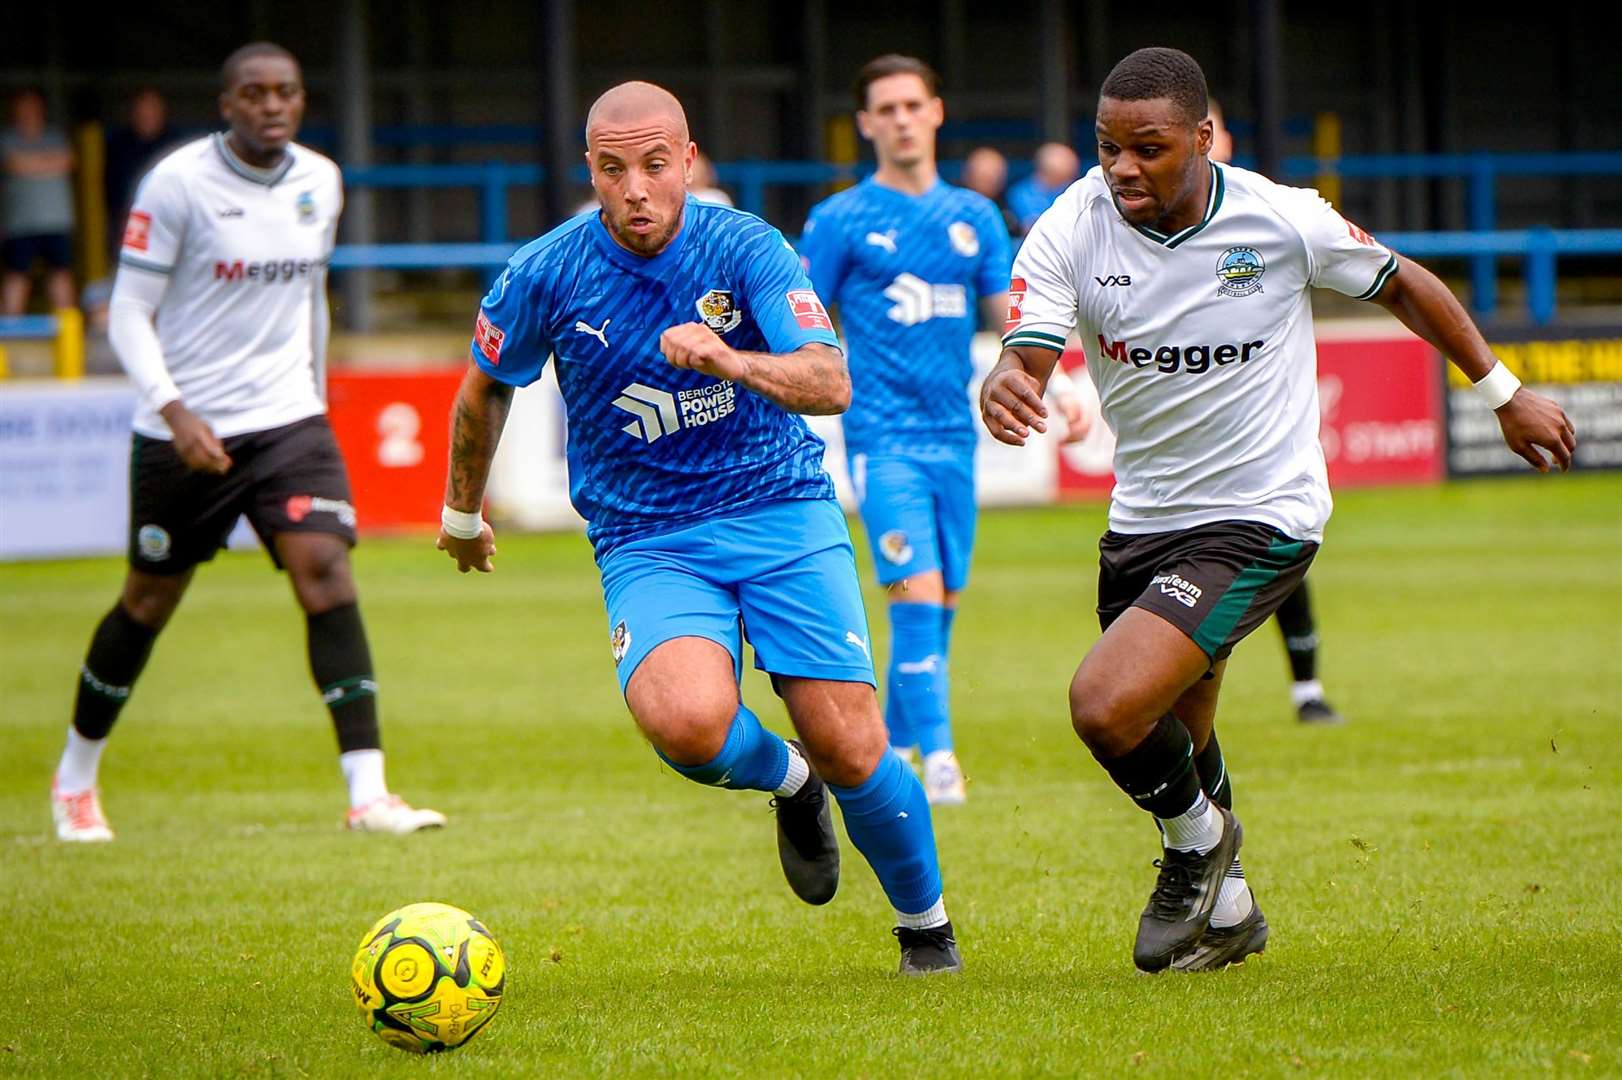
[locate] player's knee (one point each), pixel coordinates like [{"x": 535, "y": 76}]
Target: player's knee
[
  {"x": 1095, "y": 713},
  {"x": 151, "y": 601},
  {"x": 322, "y": 578},
  {"x": 688, "y": 731}
]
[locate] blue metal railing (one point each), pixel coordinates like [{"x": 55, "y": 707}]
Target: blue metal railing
[
  {"x": 1482, "y": 245},
  {"x": 1539, "y": 249}
]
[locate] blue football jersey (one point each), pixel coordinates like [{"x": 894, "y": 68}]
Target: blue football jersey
[
  {"x": 651, "y": 446},
  {"x": 907, "y": 272}
]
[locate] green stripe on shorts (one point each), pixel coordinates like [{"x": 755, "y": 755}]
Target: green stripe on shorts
[{"x": 1214, "y": 629}]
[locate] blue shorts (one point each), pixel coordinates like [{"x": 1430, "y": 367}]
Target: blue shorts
[
  {"x": 919, "y": 512},
  {"x": 780, "y": 574}
]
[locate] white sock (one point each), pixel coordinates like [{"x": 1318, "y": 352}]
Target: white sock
[
  {"x": 924, "y": 920},
  {"x": 1234, "y": 901},
  {"x": 1303, "y": 692},
  {"x": 1199, "y": 828},
  {"x": 798, "y": 772},
  {"x": 363, "y": 772},
  {"x": 80, "y": 759}
]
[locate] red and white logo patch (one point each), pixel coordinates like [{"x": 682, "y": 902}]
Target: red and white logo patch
[
  {"x": 138, "y": 232},
  {"x": 488, "y": 337},
  {"x": 1358, "y": 233},
  {"x": 1016, "y": 297},
  {"x": 808, "y": 310}
]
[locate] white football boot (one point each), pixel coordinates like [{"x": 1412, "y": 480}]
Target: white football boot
[
  {"x": 943, "y": 779},
  {"x": 392, "y": 814},
  {"x": 78, "y": 816}
]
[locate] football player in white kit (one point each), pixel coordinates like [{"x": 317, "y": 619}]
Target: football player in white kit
[
  {"x": 1189, "y": 283},
  {"x": 219, "y": 315}
]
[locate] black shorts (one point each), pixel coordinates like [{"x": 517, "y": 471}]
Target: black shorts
[
  {"x": 1216, "y": 583},
  {"x": 19, "y": 252},
  {"x": 287, "y": 479}
]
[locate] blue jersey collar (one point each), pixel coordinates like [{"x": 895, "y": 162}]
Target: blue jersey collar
[{"x": 630, "y": 260}]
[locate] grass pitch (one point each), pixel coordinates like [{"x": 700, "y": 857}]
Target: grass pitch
[{"x": 1442, "y": 875}]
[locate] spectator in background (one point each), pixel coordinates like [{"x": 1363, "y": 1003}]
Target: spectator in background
[
  {"x": 1057, "y": 167},
  {"x": 36, "y": 214},
  {"x": 985, "y": 171},
  {"x": 131, "y": 151},
  {"x": 703, "y": 186}
]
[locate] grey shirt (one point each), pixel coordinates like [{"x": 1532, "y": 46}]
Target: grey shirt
[{"x": 34, "y": 205}]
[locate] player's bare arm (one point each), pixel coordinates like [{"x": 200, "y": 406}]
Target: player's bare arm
[
  {"x": 1011, "y": 397},
  {"x": 195, "y": 441},
  {"x": 813, "y": 380},
  {"x": 477, "y": 418},
  {"x": 1427, "y": 307}
]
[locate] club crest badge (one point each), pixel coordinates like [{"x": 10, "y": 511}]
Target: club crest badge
[
  {"x": 718, "y": 310},
  {"x": 620, "y": 642},
  {"x": 1239, "y": 271},
  {"x": 894, "y": 547},
  {"x": 965, "y": 241},
  {"x": 306, "y": 207},
  {"x": 153, "y": 542}
]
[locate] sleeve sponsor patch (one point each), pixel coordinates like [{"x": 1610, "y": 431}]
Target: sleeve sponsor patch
[
  {"x": 808, "y": 310},
  {"x": 1359, "y": 233},
  {"x": 138, "y": 231},
  {"x": 488, "y": 337},
  {"x": 1016, "y": 297}
]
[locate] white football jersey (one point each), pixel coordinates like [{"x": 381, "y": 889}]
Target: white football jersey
[
  {"x": 1200, "y": 344},
  {"x": 245, "y": 250}
]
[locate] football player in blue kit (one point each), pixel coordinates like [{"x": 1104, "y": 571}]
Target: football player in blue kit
[
  {"x": 911, "y": 262},
  {"x": 686, "y": 338}
]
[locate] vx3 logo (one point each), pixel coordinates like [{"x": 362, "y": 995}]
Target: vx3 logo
[{"x": 1114, "y": 279}]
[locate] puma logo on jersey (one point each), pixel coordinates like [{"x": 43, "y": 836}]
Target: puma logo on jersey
[
  {"x": 885, "y": 240},
  {"x": 853, "y": 638},
  {"x": 1114, "y": 279},
  {"x": 600, "y": 334},
  {"x": 1194, "y": 359}
]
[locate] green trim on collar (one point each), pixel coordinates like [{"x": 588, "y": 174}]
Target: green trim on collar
[
  {"x": 1212, "y": 205},
  {"x": 267, "y": 177}
]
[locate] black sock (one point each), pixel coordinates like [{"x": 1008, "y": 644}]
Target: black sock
[
  {"x": 342, "y": 665},
  {"x": 1158, "y": 773},
  {"x": 1300, "y": 634},
  {"x": 118, "y": 652},
  {"x": 1214, "y": 774}
]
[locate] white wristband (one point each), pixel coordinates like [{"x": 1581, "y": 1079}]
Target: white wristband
[
  {"x": 461, "y": 524},
  {"x": 1497, "y": 386}
]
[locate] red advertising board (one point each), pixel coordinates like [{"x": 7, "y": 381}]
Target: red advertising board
[
  {"x": 1380, "y": 403},
  {"x": 393, "y": 429}
]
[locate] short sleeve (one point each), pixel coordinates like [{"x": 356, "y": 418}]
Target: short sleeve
[
  {"x": 156, "y": 227},
  {"x": 1342, "y": 256},
  {"x": 991, "y": 277},
  {"x": 778, "y": 295},
  {"x": 822, "y": 252},
  {"x": 1042, "y": 294},
  {"x": 509, "y": 333}
]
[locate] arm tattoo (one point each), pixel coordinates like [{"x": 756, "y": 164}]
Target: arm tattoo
[
  {"x": 812, "y": 380},
  {"x": 476, "y": 423}
]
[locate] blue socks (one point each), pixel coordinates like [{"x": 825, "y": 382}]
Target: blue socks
[
  {"x": 752, "y": 758},
  {"x": 917, "y": 683},
  {"x": 888, "y": 820},
  {"x": 948, "y": 617}
]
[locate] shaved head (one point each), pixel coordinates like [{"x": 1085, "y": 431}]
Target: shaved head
[
  {"x": 636, "y": 106},
  {"x": 641, "y": 160}
]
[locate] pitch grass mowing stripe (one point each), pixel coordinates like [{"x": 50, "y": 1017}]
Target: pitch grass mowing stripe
[{"x": 1442, "y": 874}]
